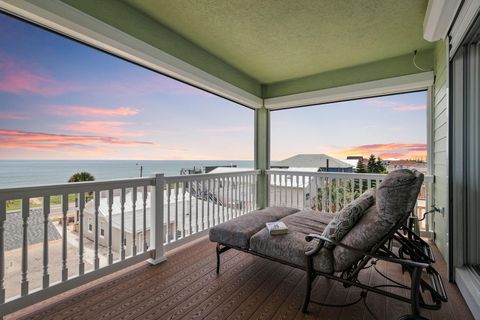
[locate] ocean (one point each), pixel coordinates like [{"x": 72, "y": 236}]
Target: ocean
[{"x": 19, "y": 173}]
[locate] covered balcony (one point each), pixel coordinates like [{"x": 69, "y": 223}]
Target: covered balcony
[{"x": 139, "y": 247}]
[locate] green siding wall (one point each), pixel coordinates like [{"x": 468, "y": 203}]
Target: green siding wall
[{"x": 440, "y": 145}]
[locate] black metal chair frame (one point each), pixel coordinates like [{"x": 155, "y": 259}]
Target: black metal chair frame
[{"x": 414, "y": 255}]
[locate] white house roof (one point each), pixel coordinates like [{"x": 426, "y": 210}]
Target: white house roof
[
  {"x": 228, "y": 169},
  {"x": 176, "y": 211},
  {"x": 312, "y": 161}
]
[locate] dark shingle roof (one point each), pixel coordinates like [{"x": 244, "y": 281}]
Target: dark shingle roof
[{"x": 14, "y": 229}]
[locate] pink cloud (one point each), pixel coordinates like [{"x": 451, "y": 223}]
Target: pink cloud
[
  {"x": 92, "y": 111},
  {"x": 396, "y": 106},
  {"x": 387, "y": 150},
  {"x": 112, "y": 128},
  {"x": 17, "y": 79},
  {"x": 5, "y": 115},
  {"x": 14, "y": 139}
]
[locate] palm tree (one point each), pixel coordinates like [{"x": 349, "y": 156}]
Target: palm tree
[{"x": 81, "y": 176}]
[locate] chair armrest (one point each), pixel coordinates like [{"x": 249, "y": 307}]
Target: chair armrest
[{"x": 323, "y": 239}]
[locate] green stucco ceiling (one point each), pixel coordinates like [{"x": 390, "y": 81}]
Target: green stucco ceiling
[
  {"x": 276, "y": 42},
  {"x": 279, "y": 40}
]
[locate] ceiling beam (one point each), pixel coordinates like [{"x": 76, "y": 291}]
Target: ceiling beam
[{"x": 408, "y": 83}]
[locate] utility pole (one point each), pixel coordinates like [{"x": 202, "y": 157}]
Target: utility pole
[{"x": 141, "y": 169}]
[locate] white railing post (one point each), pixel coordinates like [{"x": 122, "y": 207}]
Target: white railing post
[{"x": 156, "y": 220}]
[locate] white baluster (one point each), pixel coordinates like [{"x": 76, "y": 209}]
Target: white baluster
[
  {"x": 110, "y": 228},
  {"x": 134, "y": 222},
  {"x": 352, "y": 188},
  {"x": 145, "y": 196},
  {"x": 169, "y": 229},
  {"x": 213, "y": 201},
  {"x": 203, "y": 204},
  {"x": 25, "y": 215},
  {"x": 64, "y": 237},
  {"x": 303, "y": 193},
  {"x": 175, "y": 230},
  {"x": 96, "y": 261},
  {"x": 46, "y": 212},
  {"x": 223, "y": 199},
  {"x": 190, "y": 208},
  {"x": 183, "y": 209},
  {"x": 207, "y": 196},
  {"x": 337, "y": 195},
  {"x": 81, "y": 260},
  {"x": 122, "y": 224},
  {"x": 196, "y": 205}
]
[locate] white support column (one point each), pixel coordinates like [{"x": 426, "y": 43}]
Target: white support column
[
  {"x": 262, "y": 154},
  {"x": 156, "y": 220}
]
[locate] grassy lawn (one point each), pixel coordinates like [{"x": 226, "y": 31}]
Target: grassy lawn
[{"x": 37, "y": 202}]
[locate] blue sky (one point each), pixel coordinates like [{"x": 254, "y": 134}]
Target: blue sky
[{"x": 63, "y": 100}]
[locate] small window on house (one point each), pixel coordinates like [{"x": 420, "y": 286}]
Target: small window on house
[
  {"x": 90, "y": 224},
  {"x": 102, "y": 229}
]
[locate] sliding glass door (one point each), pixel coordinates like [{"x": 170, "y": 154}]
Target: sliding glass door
[{"x": 464, "y": 152}]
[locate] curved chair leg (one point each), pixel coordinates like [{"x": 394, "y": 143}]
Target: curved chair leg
[
  {"x": 218, "y": 258},
  {"x": 308, "y": 289},
  {"x": 415, "y": 291}
]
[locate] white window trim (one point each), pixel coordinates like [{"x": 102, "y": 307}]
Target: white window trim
[{"x": 438, "y": 18}]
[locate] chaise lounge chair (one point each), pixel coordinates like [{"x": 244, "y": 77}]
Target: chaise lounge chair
[{"x": 338, "y": 246}]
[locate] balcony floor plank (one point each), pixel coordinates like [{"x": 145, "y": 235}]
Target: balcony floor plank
[{"x": 248, "y": 287}]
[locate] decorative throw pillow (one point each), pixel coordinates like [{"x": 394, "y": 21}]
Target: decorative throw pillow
[
  {"x": 397, "y": 194},
  {"x": 348, "y": 217}
]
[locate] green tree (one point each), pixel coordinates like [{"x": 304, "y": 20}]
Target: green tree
[
  {"x": 361, "y": 167},
  {"x": 380, "y": 168},
  {"x": 81, "y": 176},
  {"x": 372, "y": 164}
]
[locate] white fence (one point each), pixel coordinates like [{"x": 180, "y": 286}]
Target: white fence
[
  {"x": 114, "y": 224},
  {"x": 331, "y": 191}
]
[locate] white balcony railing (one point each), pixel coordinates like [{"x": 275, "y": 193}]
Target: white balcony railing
[
  {"x": 331, "y": 191},
  {"x": 68, "y": 234}
]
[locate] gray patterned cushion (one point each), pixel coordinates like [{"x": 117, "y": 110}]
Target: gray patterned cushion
[
  {"x": 366, "y": 233},
  {"x": 398, "y": 194},
  {"x": 292, "y": 246},
  {"x": 346, "y": 219},
  {"x": 237, "y": 232}
]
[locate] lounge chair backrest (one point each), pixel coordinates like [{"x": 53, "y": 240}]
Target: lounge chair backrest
[{"x": 395, "y": 199}]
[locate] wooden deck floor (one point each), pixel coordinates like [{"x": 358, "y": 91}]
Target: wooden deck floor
[{"x": 186, "y": 287}]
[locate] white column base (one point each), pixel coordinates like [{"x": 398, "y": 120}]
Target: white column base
[{"x": 156, "y": 261}]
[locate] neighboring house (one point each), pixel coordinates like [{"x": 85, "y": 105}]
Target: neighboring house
[
  {"x": 291, "y": 190},
  {"x": 103, "y": 230},
  {"x": 173, "y": 211},
  {"x": 320, "y": 161},
  {"x": 13, "y": 229}
]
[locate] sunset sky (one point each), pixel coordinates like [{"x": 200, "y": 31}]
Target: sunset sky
[{"x": 63, "y": 100}]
